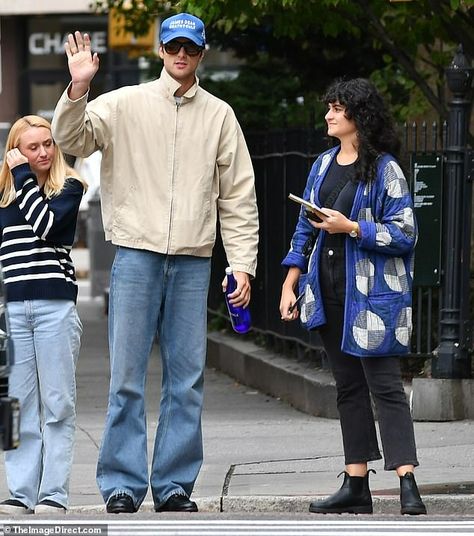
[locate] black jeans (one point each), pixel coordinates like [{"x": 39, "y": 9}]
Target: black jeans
[{"x": 358, "y": 378}]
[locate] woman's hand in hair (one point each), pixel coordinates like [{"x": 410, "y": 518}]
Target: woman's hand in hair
[
  {"x": 336, "y": 222},
  {"x": 15, "y": 158}
]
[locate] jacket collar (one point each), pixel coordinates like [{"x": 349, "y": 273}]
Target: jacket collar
[{"x": 171, "y": 85}]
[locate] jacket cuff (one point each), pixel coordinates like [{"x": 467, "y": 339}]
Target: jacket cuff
[
  {"x": 69, "y": 100},
  {"x": 367, "y": 235},
  {"x": 295, "y": 259},
  {"x": 247, "y": 268}
]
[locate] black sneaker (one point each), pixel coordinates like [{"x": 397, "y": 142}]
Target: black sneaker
[
  {"x": 14, "y": 507},
  {"x": 49, "y": 507}
]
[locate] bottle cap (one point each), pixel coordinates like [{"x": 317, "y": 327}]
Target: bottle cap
[{"x": 228, "y": 270}]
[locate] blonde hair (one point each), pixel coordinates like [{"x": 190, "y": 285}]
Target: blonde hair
[{"x": 58, "y": 172}]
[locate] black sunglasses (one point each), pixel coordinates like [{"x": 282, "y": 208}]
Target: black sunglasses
[{"x": 191, "y": 49}]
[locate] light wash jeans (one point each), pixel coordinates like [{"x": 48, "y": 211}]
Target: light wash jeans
[
  {"x": 153, "y": 294},
  {"x": 46, "y": 338}
]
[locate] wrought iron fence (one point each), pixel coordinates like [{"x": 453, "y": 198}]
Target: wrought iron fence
[{"x": 282, "y": 160}]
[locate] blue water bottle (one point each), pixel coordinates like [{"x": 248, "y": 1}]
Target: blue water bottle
[{"x": 239, "y": 316}]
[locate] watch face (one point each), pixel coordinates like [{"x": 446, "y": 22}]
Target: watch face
[{"x": 353, "y": 234}]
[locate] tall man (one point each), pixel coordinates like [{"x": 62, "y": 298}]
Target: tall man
[{"x": 173, "y": 158}]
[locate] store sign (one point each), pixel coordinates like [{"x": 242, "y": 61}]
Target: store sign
[{"x": 44, "y": 43}]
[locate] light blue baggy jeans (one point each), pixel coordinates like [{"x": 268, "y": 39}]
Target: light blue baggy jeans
[
  {"x": 46, "y": 338},
  {"x": 166, "y": 296}
]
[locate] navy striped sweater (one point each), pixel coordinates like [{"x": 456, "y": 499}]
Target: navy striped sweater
[{"x": 36, "y": 240}]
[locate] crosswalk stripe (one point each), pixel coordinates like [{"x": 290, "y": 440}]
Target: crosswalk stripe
[{"x": 243, "y": 527}]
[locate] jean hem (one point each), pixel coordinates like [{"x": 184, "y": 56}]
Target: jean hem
[
  {"x": 364, "y": 459},
  {"x": 170, "y": 494},
  {"x": 28, "y": 504},
  {"x": 123, "y": 491},
  {"x": 395, "y": 465},
  {"x": 64, "y": 502}
]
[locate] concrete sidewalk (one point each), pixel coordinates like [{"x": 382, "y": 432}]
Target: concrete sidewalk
[{"x": 261, "y": 454}]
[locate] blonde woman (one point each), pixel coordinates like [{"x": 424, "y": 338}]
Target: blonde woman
[{"x": 39, "y": 201}]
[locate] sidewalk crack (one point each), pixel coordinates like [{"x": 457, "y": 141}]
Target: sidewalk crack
[{"x": 83, "y": 430}]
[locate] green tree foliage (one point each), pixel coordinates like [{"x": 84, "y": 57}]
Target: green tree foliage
[
  {"x": 404, "y": 46},
  {"x": 266, "y": 94},
  {"x": 280, "y": 82}
]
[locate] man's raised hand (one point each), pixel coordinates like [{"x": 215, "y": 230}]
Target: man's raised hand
[{"x": 83, "y": 64}]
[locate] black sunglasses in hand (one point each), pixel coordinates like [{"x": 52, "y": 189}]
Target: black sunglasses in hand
[{"x": 191, "y": 49}]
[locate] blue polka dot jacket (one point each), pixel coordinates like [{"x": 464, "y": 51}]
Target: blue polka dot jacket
[{"x": 379, "y": 264}]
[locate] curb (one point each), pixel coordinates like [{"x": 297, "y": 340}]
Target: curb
[
  {"x": 299, "y": 384},
  {"x": 205, "y": 504},
  {"x": 386, "y": 504},
  {"x": 435, "y": 504}
]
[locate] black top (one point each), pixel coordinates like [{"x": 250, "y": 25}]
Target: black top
[{"x": 344, "y": 200}]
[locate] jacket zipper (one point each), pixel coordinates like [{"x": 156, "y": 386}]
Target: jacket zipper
[{"x": 178, "y": 104}]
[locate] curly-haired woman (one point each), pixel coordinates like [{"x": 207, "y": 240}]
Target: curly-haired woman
[
  {"x": 39, "y": 202},
  {"x": 354, "y": 269}
]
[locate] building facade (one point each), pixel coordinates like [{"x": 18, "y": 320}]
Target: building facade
[{"x": 33, "y": 65}]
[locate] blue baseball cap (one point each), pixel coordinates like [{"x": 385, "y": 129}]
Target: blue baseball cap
[{"x": 183, "y": 25}]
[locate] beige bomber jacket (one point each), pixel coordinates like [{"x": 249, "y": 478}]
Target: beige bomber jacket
[{"x": 167, "y": 169}]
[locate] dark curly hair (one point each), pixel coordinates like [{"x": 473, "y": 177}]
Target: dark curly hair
[{"x": 375, "y": 127}]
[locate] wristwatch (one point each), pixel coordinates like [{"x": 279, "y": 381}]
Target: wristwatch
[{"x": 354, "y": 233}]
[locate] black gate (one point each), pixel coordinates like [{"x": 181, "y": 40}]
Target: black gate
[{"x": 282, "y": 160}]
